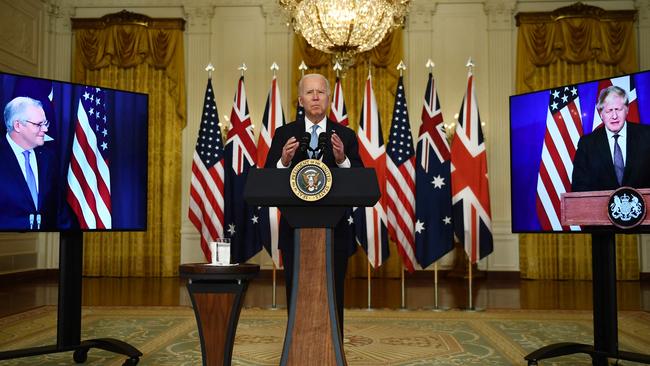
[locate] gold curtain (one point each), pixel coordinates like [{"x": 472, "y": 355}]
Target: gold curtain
[
  {"x": 572, "y": 45},
  {"x": 384, "y": 60},
  {"x": 136, "y": 53}
]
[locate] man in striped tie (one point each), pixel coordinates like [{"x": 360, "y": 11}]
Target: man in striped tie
[
  {"x": 616, "y": 155},
  {"x": 339, "y": 151},
  {"x": 27, "y": 177}
]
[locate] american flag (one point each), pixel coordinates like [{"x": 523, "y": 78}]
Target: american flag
[
  {"x": 433, "y": 226},
  {"x": 338, "y": 113},
  {"x": 270, "y": 216},
  {"x": 627, "y": 83},
  {"x": 241, "y": 221},
  {"x": 206, "y": 210},
  {"x": 370, "y": 222},
  {"x": 563, "y": 130},
  {"x": 469, "y": 180},
  {"x": 400, "y": 186},
  {"x": 89, "y": 177}
]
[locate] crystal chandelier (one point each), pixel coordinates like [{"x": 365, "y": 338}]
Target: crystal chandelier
[{"x": 345, "y": 27}]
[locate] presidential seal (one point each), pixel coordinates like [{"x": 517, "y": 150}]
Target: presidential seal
[
  {"x": 310, "y": 180},
  {"x": 626, "y": 208}
]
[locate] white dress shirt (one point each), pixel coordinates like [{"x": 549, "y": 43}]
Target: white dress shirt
[
  {"x": 622, "y": 142},
  {"x": 18, "y": 151},
  {"x": 322, "y": 126}
]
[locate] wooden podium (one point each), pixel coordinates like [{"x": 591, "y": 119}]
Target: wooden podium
[
  {"x": 313, "y": 335},
  {"x": 590, "y": 209}
]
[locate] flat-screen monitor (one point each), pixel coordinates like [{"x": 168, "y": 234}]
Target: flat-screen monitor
[
  {"x": 73, "y": 156},
  {"x": 545, "y": 127}
]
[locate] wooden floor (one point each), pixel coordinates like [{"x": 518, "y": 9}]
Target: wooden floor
[{"x": 488, "y": 293}]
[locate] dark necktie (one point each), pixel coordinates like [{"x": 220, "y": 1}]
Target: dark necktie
[
  {"x": 313, "y": 142},
  {"x": 31, "y": 181},
  {"x": 619, "y": 166}
]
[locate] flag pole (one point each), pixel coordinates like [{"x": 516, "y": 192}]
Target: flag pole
[
  {"x": 369, "y": 287},
  {"x": 403, "y": 288},
  {"x": 274, "y": 304},
  {"x": 436, "y": 306},
  {"x": 469, "y": 279}
]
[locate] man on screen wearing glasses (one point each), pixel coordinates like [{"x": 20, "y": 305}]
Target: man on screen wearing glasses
[{"x": 27, "y": 177}]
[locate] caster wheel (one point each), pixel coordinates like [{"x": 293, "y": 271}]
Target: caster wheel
[
  {"x": 80, "y": 355},
  {"x": 131, "y": 361}
]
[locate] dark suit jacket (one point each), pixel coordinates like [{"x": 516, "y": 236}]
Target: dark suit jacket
[
  {"x": 16, "y": 202},
  {"x": 593, "y": 168},
  {"x": 343, "y": 235}
]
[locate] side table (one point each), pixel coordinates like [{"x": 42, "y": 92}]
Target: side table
[{"x": 217, "y": 293}]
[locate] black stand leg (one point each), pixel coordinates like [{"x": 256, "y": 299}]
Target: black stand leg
[
  {"x": 603, "y": 265},
  {"x": 68, "y": 330}
]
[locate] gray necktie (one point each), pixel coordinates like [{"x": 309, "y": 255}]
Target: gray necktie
[
  {"x": 31, "y": 181},
  {"x": 619, "y": 166},
  {"x": 313, "y": 142}
]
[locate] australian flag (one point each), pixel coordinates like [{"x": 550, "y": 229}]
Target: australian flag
[
  {"x": 433, "y": 226},
  {"x": 241, "y": 221}
]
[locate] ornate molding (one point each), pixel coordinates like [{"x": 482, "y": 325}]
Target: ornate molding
[
  {"x": 577, "y": 10},
  {"x": 198, "y": 18},
  {"x": 499, "y": 14},
  {"x": 276, "y": 18},
  {"x": 643, "y": 9},
  {"x": 420, "y": 16},
  {"x": 59, "y": 14},
  {"x": 125, "y": 17}
]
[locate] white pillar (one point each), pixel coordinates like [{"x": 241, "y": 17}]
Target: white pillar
[
  {"x": 501, "y": 49},
  {"x": 197, "y": 55}
]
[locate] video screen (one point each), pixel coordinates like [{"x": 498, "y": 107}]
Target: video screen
[
  {"x": 74, "y": 157},
  {"x": 545, "y": 129}
]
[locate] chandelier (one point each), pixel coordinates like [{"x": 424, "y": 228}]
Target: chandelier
[{"x": 345, "y": 27}]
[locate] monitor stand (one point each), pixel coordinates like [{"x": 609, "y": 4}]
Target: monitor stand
[{"x": 68, "y": 328}]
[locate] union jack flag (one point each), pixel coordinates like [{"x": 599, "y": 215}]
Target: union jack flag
[
  {"x": 89, "y": 177},
  {"x": 469, "y": 180},
  {"x": 270, "y": 216},
  {"x": 627, "y": 83},
  {"x": 370, "y": 222},
  {"x": 400, "y": 186},
  {"x": 242, "y": 221},
  {"x": 433, "y": 228},
  {"x": 338, "y": 112},
  {"x": 206, "y": 210},
  {"x": 563, "y": 130}
]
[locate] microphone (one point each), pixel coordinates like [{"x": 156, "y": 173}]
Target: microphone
[
  {"x": 31, "y": 221},
  {"x": 304, "y": 142},
  {"x": 322, "y": 143}
]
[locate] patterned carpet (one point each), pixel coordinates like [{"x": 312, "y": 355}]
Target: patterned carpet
[{"x": 168, "y": 336}]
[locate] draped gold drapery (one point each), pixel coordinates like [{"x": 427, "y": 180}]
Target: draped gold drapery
[
  {"x": 136, "y": 53},
  {"x": 572, "y": 45},
  {"x": 383, "y": 60}
]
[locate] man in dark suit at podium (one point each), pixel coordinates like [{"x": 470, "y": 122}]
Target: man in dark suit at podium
[
  {"x": 27, "y": 178},
  {"x": 616, "y": 155},
  {"x": 341, "y": 151}
]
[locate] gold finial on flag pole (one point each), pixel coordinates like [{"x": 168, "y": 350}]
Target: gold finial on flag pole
[
  {"x": 274, "y": 68},
  {"x": 369, "y": 69},
  {"x": 337, "y": 67},
  {"x": 242, "y": 68},
  {"x": 209, "y": 69},
  {"x": 401, "y": 67},
  {"x": 430, "y": 65},
  {"x": 302, "y": 68}
]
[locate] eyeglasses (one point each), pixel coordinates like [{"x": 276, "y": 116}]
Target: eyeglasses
[{"x": 43, "y": 124}]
